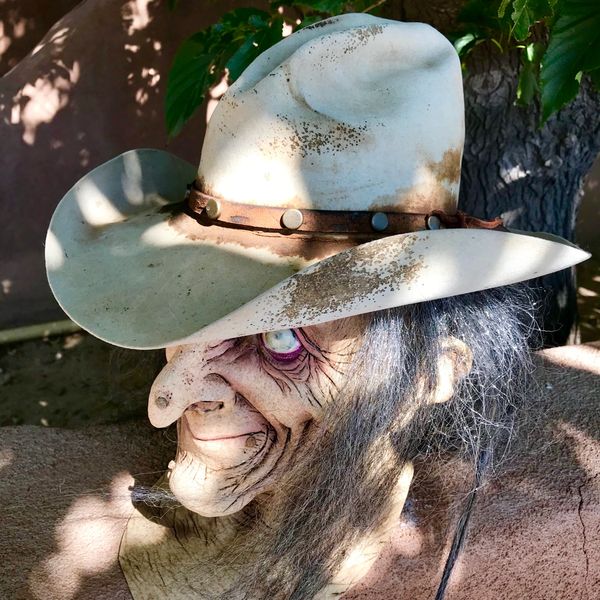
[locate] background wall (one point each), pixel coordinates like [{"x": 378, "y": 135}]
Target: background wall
[{"x": 80, "y": 84}]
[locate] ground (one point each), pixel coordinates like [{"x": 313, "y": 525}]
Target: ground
[{"x": 73, "y": 380}]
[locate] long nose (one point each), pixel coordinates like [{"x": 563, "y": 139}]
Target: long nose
[{"x": 188, "y": 381}]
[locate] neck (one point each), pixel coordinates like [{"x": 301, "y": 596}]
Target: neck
[{"x": 173, "y": 552}]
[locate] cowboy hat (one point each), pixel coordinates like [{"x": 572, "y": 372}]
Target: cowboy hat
[{"x": 327, "y": 187}]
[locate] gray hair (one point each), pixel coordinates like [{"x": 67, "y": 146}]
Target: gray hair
[{"x": 339, "y": 489}]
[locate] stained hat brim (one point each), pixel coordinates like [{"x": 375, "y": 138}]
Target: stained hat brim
[{"x": 120, "y": 266}]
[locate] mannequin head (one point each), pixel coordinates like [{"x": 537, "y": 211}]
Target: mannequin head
[{"x": 311, "y": 428}]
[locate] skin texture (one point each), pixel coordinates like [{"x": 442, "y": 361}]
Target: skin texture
[
  {"x": 242, "y": 408},
  {"x": 534, "y": 533},
  {"x": 243, "y": 405}
]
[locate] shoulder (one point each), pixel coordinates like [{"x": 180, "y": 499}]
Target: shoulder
[
  {"x": 65, "y": 498},
  {"x": 534, "y": 531}
]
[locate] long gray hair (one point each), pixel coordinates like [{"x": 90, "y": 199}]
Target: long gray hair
[{"x": 339, "y": 489}]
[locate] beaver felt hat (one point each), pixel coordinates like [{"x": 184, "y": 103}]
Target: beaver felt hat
[{"x": 327, "y": 187}]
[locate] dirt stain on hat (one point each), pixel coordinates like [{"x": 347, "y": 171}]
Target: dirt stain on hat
[{"x": 350, "y": 277}]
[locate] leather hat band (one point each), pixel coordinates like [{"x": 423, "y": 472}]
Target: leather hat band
[{"x": 215, "y": 211}]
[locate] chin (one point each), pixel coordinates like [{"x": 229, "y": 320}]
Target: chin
[
  {"x": 201, "y": 490},
  {"x": 223, "y": 478}
]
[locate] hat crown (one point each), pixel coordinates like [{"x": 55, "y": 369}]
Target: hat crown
[{"x": 355, "y": 113}]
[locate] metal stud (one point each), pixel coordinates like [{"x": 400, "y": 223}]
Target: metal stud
[
  {"x": 433, "y": 222},
  {"x": 213, "y": 208},
  {"x": 162, "y": 402},
  {"x": 379, "y": 221},
  {"x": 292, "y": 218}
]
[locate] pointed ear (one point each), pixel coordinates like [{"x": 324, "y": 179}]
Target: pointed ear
[{"x": 454, "y": 363}]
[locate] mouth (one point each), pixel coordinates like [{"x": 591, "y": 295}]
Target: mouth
[
  {"x": 226, "y": 437},
  {"x": 225, "y": 442},
  {"x": 246, "y": 440},
  {"x": 237, "y": 463}
]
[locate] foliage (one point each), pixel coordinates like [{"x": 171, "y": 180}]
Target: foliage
[
  {"x": 232, "y": 44},
  {"x": 574, "y": 49},
  {"x": 559, "y": 40}
]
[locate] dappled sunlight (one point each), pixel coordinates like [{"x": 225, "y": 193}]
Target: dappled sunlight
[
  {"x": 145, "y": 79},
  {"x": 97, "y": 209},
  {"x": 136, "y": 15},
  {"x": 215, "y": 94},
  {"x": 131, "y": 179},
  {"x": 5, "y": 40},
  {"x": 39, "y": 102},
  {"x": 57, "y": 39},
  {"x": 585, "y": 447},
  {"x": 6, "y": 458},
  {"x": 581, "y": 358},
  {"x": 512, "y": 214},
  {"x": 407, "y": 539},
  {"x": 13, "y": 26},
  {"x": 6, "y": 286},
  {"x": 510, "y": 175},
  {"x": 87, "y": 541},
  {"x": 583, "y": 291},
  {"x": 151, "y": 77},
  {"x": 55, "y": 258}
]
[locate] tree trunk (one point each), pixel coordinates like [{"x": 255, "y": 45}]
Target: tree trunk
[{"x": 531, "y": 176}]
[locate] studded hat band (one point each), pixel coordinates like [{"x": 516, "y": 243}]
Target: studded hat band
[{"x": 209, "y": 210}]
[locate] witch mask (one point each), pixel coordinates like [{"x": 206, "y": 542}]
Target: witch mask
[{"x": 327, "y": 311}]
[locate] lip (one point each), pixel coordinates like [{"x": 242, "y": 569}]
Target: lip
[
  {"x": 226, "y": 437},
  {"x": 207, "y": 441}
]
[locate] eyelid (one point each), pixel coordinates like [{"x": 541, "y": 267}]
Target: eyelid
[{"x": 284, "y": 357}]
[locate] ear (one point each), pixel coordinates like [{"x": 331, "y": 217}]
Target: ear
[{"x": 454, "y": 363}]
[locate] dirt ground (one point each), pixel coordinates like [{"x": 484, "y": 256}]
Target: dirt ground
[{"x": 72, "y": 381}]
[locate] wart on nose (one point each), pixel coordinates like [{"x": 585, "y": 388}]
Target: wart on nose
[{"x": 205, "y": 407}]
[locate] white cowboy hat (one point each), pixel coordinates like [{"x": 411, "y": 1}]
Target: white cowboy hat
[{"x": 327, "y": 187}]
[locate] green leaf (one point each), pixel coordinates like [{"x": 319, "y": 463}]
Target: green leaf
[
  {"x": 253, "y": 46},
  {"x": 534, "y": 53},
  {"x": 464, "y": 43},
  {"x": 527, "y": 86},
  {"x": 479, "y": 13},
  {"x": 242, "y": 57},
  {"x": 234, "y": 42},
  {"x": 574, "y": 47},
  {"x": 189, "y": 79},
  {"x": 307, "y": 21},
  {"x": 502, "y": 8},
  {"x": 330, "y": 7},
  {"x": 526, "y": 13},
  {"x": 243, "y": 16}
]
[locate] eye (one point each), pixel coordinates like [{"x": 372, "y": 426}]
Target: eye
[{"x": 282, "y": 345}]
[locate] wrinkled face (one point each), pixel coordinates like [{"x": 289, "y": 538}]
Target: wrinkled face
[{"x": 243, "y": 407}]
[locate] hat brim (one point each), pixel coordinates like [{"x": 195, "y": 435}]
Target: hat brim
[{"x": 124, "y": 269}]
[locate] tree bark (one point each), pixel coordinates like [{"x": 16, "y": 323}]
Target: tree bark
[{"x": 530, "y": 175}]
